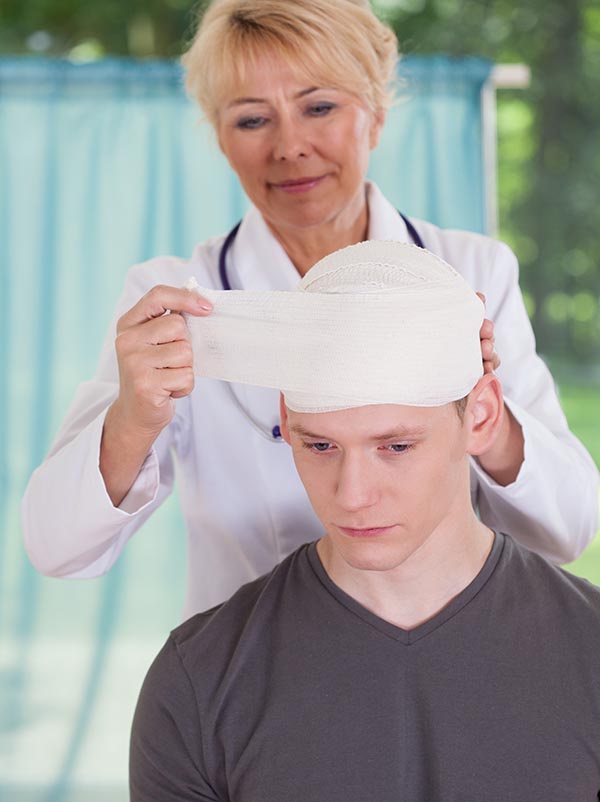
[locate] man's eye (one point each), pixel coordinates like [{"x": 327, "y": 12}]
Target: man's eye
[
  {"x": 320, "y": 447},
  {"x": 398, "y": 448},
  {"x": 250, "y": 123}
]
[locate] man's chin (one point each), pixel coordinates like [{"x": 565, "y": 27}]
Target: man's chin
[{"x": 370, "y": 555}]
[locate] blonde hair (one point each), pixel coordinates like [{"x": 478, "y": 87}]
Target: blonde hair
[{"x": 340, "y": 43}]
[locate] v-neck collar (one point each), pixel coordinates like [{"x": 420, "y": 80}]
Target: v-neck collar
[{"x": 409, "y": 636}]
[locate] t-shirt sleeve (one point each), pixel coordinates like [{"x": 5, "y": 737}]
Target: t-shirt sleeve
[{"x": 166, "y": 762}]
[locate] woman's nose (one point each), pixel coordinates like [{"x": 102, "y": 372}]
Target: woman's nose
[{"x": 291, "y": 141}]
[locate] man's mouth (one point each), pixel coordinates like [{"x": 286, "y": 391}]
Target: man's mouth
[{"x": 367, "y": 532}]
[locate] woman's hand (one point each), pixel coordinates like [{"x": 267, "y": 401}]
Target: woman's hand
[
  {"x": 155, "y": 367},
  {"x": 504, "y": 459},
  {"x": 155, "y": 356},
  {"x": 491, "y": 360}
]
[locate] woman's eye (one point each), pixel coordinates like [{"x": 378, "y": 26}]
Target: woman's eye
[
  {"x": 250, "y": 123},
  {"x": 320, "y": 109}
]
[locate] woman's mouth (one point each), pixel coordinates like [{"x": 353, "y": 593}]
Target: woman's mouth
[{"x": 298, "y": 185}]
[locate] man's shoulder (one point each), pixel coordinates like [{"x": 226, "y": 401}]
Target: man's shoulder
[
  {"x": 216, "y": 635},
  {"x": 559, "y": 591}
]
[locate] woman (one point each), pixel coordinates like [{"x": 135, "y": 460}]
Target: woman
[{"x": 297, "y": 119}]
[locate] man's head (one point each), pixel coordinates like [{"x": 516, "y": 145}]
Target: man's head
[{"x": 383, "y": 477}]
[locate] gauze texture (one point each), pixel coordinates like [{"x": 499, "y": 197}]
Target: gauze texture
[{"x": 374, "y": 323}]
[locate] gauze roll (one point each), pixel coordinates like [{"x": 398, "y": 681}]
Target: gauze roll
[{"x": 374, "y": 323}]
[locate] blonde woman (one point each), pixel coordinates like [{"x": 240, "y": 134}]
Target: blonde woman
[{"x": 297, "y": 94}]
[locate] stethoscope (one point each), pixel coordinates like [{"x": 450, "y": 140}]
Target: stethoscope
[{"x": 274, "y": 434}]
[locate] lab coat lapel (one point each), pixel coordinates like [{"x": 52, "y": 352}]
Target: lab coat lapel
[
  {"x": 384, "y": 221},
  {"x": 257, "y": 261}
]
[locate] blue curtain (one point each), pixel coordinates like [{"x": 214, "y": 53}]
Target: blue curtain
[{"x": 101, "y": 166}]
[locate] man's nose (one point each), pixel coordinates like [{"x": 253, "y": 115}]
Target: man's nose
[{"x": 357, "y": 486}]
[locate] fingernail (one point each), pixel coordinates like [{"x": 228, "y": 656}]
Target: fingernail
[{"x": 204, "y": 305}]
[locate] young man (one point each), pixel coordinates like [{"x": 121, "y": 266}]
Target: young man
[{"x": 411, "y": 653}]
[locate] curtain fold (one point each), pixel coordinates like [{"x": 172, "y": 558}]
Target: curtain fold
[{"x": 101, "y": 166}]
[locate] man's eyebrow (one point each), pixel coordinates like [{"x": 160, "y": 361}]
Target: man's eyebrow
[
  {"x": 240, "y": 101},
  {"x": 300, "y": 430},
  {"x": 398, "y": 434},
  {"x": 393, "y": 434}
]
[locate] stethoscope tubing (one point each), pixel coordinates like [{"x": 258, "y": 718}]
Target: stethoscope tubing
[{"x": 229, "y": 240}]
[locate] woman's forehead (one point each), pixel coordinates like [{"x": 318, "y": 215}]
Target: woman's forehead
[
  {"x": 273, "y": 64},
  {"x": 269, "y": 69}
]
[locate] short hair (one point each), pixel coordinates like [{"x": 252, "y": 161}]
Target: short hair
[
  {"x": 460, "y": 406},
  {"x": 340, "y": 43}
]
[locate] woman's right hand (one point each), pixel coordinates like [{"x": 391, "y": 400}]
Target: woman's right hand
[
  {"x": 155, "y": 357},
  {"x": 155, "y": 360}
]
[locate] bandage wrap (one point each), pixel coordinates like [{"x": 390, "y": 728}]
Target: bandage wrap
[{"x": 375, "y": 323}]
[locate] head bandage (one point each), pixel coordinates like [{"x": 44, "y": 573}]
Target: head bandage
[{"x": 374, "y": 323}]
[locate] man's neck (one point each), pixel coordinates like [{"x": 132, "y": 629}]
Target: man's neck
[
  {"x": 426, "y": 582},
  {"x": 306, "y": 246}
]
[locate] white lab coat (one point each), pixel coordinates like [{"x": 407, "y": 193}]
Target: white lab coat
[{"x": 243, "y": 504}]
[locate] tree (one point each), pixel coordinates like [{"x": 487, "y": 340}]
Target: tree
[{"x": 549, "y": 165}]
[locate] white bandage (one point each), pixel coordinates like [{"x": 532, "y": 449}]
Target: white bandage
[{"x": 375, "y": 323}]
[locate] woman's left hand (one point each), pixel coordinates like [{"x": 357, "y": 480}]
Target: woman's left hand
[
  {"x": 491, "y": 360},
  {"x": 504, "y": 459}
]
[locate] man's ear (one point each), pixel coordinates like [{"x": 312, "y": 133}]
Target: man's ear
[
  {"x": 484, "y": 414},
  {"x": 285, "y": 431}
]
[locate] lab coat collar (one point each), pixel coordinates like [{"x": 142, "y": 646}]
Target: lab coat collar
[
  {"x": 258, "y": 261},
  {"x": 385, "y": 222}
]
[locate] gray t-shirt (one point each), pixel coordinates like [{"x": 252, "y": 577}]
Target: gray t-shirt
[{"x": 293, "y": 692}]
